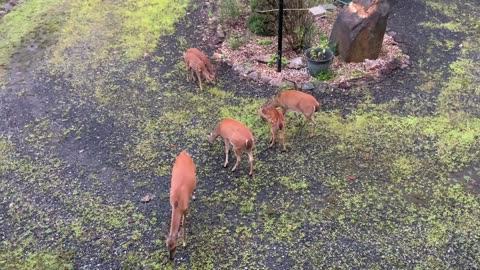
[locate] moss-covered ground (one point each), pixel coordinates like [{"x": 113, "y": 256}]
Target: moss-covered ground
[{"x": 94, "y": 107}]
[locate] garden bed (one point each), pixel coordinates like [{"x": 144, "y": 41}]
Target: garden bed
[{"x": 250, "y": 54}]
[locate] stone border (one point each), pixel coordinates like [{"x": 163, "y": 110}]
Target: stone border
[{"x": 250, "y": 72}]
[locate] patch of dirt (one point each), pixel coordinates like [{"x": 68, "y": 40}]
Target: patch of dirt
[{"x": 391, "y": 56}]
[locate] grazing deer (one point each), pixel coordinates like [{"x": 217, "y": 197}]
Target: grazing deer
[
  {"x": 239, "y": 136},
  {"x": 182, "y": 186},
  {"x": 297, "y": 101},
  {"x": 194, "y": 64},
  {"x": 277, "y": 123},
  {"x": 200, "y": 55}
]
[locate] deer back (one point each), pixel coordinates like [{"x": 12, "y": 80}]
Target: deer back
[
  {"x": 195, "y": 63},
  {"x": 236, "y": 132},
  {"x": 202, "y": 57},
  {"x": 295, "y": 100},
  {"x": 183, "y": 181},
  {"x": 273, "y": 116}
]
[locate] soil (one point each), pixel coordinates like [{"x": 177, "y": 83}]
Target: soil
[{"x": 251, "y": 49}]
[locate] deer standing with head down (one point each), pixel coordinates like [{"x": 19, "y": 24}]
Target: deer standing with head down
[
  {"x": 277, "y": 124},
  {"x": 297, "y": 101},
  {"x": 200, "y": 55},
  {"x": 239, "y": 136},
  {"x": 196, "y": 62},
  {"x": 182, "y": 187}
]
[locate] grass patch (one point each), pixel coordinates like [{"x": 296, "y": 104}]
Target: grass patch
[
  {"x": 112, "y": 30},
  {"x": 22, "y": 22}
]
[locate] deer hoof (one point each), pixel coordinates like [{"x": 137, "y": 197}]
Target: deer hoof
[{"x": 184, "y": 244}]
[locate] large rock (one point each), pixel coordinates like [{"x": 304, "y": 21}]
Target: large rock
[
  {"x": 296, "y": 63},
  {"x": 359, "y": 29}
]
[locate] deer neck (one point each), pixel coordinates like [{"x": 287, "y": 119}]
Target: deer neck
[{"x": 175, "y": 223}]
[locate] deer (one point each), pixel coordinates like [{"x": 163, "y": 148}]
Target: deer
[
  {"x": 277, "y": 123},
  {"x": 194, "y": 64},
  {"x": 183, "y": 185},
  {"x": 200, "y": 55},
  {"x": 296, "y": 101},
  {"x": 239, "y": 136}
]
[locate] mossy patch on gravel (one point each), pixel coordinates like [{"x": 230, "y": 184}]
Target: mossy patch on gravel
[{"x": 377, "y": 187}]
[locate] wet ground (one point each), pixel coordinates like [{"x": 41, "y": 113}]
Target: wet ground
[{"x": 391, "y": 180}]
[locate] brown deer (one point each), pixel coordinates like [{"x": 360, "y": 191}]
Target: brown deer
[
  {"x": 277, "y": 123},
  {"x": 239, "y": 136},
  {"x": 194, "y": 64},
  {"x": 182, "y": 187},
  {"x": 297, "y": 101},
  {"x": 200, "y": 55}
]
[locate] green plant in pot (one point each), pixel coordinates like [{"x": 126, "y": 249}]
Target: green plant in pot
[{"x": 319, "y": 57}]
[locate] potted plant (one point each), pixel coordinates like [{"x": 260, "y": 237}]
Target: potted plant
[{"x": 319, "y": 57}]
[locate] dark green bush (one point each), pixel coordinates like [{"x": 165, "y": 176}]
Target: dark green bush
[
  {"x": 230, "y": 9},
  {"x": 261, "y": 24}
]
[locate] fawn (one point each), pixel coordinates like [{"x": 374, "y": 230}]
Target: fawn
[
  {"x": 182, "y": 187},
  {"x": 200, "y": 55},
  {"x": 277, "y": 123},
  {"x": 296, "y": 101},
  {"x": 194, "y": 64},
  {"x": 239, "y": 136}
]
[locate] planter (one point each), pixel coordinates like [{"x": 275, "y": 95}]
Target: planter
[{"x": 315, "y": 66}]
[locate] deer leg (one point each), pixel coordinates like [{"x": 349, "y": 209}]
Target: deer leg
[
  {"x": 250, "y": 160},
  {"x": 311, "y": 119},
  {"x": 191, "y": 74},
  {"x": 272, "y": 136},
  {"x": 227, "y": 148},
  {"x": 188, "y": 71},
  {"x": 199, "y": 79},
  {"x": 238, "y": 155},
  {"x": 184, "y": 226},
  {"x": 282, "y": 137}
]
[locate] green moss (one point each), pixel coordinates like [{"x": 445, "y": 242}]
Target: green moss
[
  {"x": 450, "y": 26},
  {"x": 312, "y": 207},
  {"x": 14, "y": 257},
  {"x": 28, "y": 16},
  {"x": 294, "y": 183},
  {"x": 133, "y": 25}
]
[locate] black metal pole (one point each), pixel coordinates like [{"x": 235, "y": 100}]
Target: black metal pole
[{"x": 280, "y": 26}]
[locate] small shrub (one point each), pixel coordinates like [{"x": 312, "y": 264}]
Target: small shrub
[
  {"x": 235, "y": 42},
  {"x": 230, "y": 9},
  {"x": 274, "y": 58},
  {"x": 264, "y": 42},
  {"x": 324, "y": 76},
  {"x": 298, "y": 23},
  {"x": 261, "y": 24}
]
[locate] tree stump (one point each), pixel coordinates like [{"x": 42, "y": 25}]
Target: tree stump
[{"x": 359, "y": 29}]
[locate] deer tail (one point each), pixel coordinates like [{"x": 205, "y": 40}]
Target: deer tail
[{"x": 249, "y": 143}]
